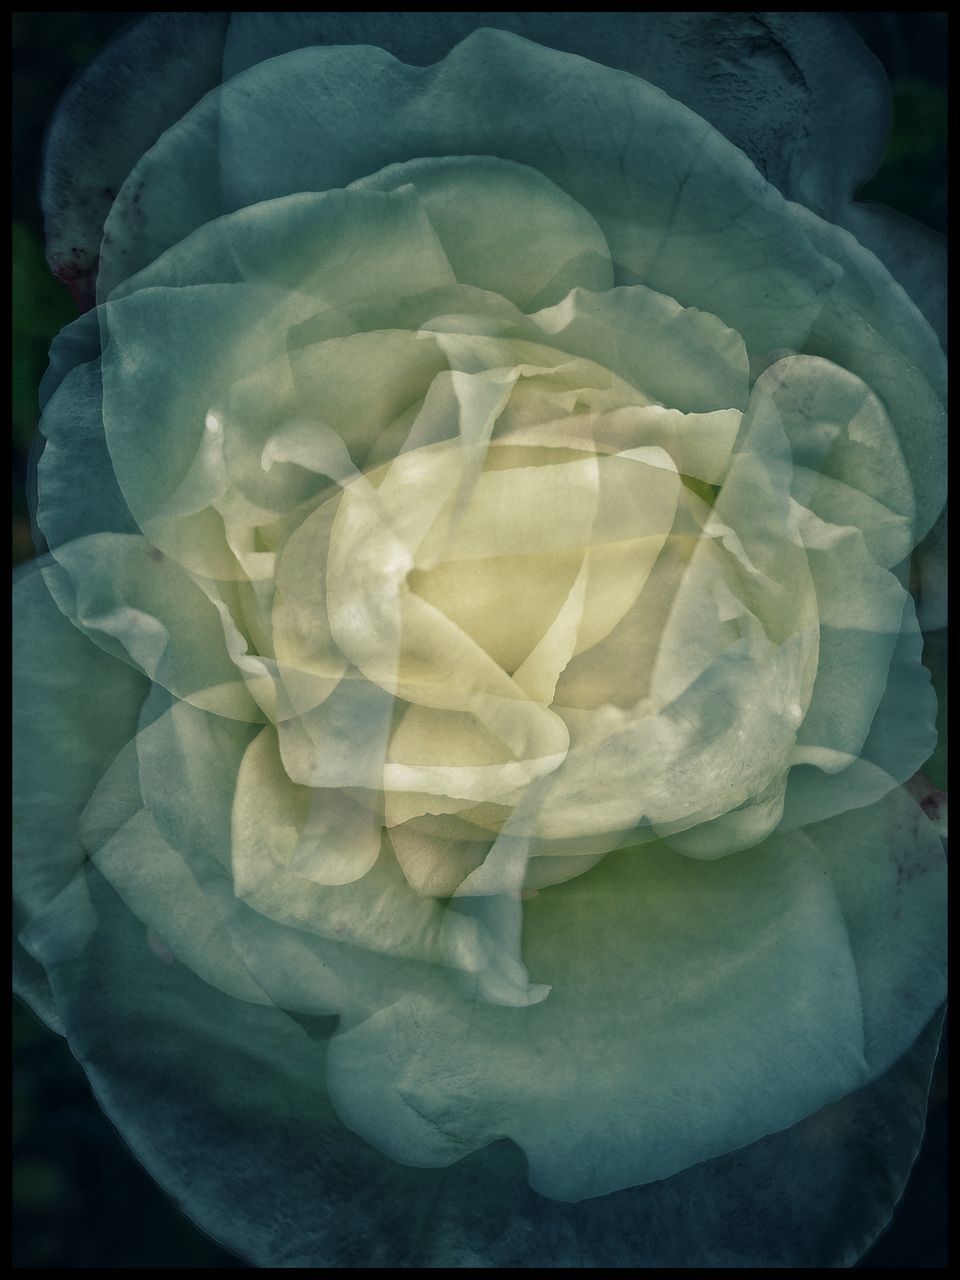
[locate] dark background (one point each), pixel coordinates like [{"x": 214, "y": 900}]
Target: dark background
[{"x": 79, "y": 1197}]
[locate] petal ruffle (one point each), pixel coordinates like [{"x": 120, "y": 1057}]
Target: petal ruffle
[{"x": 626, "y": 146}]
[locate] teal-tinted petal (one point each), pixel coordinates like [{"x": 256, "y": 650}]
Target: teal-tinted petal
[
  {"x": 74, "y": 708},
  {"x": 888, "y": 867},
  {"x": 901, "y": 738},
  {"x": 78, "y": 494},
  {"x": 662, "y": 956},
  {"x": 625, "y": 147},
  {"x": 914, "y": 255},
  {"x": 220, "y": 1100},
  {"x": 137, "y": 604},
  {"x": 662, "y": 1011},
  {"x": 505, "y": 227},
  {"x": 139, "y": 85},
  {"x": 870, "y": 326}
]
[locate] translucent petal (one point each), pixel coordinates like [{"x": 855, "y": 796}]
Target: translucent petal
[
  {"x": 220, "y": 331},
  {"x": 848, "y": 465},
  {"x": 188, "y": 770},
  {"x": 298, "y": 243},
  {"x": 413, "y": 1081},
  {"x": 752, "y": 76},
  {"x": 914, "y": 255},
  {"x": 888, "y": 867},
  {"x": 861, "y": 607},
  {"x": 77, "y": 343},
  {"x": 109, "y": 116},
  {"x": 687, "y": 359},
  {"x": 901, "y": 739},
  {"x": 434, "y": 865},
  {"x": 223, "y": 1099},
  {"x": 74, "y": 708},
  {"x": 216, "y": 332},
  {"x": 692, "y": 185},
  {"x": 504, "y": 227},
  {"x": 449, "y": 754},
  {"x": 700, "y": 444},
  {"x": 711, "y": 749},
  {"x": 77, "y": 489},
  {"x": 341, "y": 742},
  {"x": 308, "y": 946},
  {"x": 301, "y": 1190},
  {"x": 343, "y": 894},
  {"x": 360, "y": 383},
  {"x": 335, "y": 838},
  {"x": 157, "y": 884},
  {"x": 871, "y": 327},
  {"x": 140, "y": 606}
]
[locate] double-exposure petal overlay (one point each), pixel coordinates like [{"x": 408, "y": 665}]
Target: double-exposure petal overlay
[{"x": 471, "y": 708}]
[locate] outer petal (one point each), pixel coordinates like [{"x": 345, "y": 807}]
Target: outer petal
[
  {"x": 768, "y": 82},
  {"x": 871, "y": 327},
  {"x": 625, "y": 148},
  {"x": 260, "y": 1159},
  {"x": 799, "y": 93},
  {"x": 505, "y": 227},
  {"x": 901, "y": 739},
  {"x": 74, "y": 708},
  {"x": 138, "y": 605},
  {"x": 115, "y": 102},
  {"x": 649, "y": 951},
  {"x": 888, "y": 867},
  {"x": 78, "y": 492}
]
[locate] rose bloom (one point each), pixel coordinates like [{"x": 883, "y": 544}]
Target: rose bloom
[{"x": 465, "y": 702}]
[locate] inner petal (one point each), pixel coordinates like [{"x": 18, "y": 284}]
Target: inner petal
[{"x": 504, "y": 604}]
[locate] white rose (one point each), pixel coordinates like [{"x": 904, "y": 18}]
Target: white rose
[{"x": 479, "y": 512}]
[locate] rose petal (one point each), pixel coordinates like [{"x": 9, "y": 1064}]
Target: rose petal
[
  {"x": 687, "y": 179},
  {"x": 74, "y": 708},
  {"x": 140, "y": 606},
  {"x": 900, "y": 740},
  {"x": 887, "y": 865},
  {"x": 413, "y": 1081},
  {"x": 688, "y": 359},
  {"x": 505, "y": 227},
  {"x": 140, "y": 85},
  {"x": 871, "y": 327},
  {"x": 77, "y": 490},
  {"x": 157, "y": 884}
]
